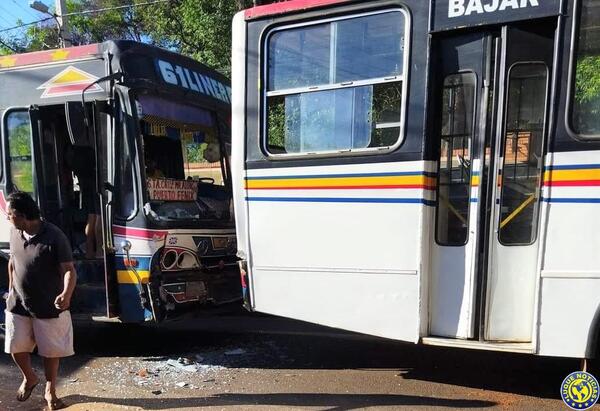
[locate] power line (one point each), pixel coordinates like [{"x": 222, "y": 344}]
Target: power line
[
  {"x": 25, "y": 9},
  {"x": 6, "y": 20},
  {"x": 114, "y": 8},
  {"x": 27, "y": 24},
  {"x": 9, "y": 13},
  {"x": 8, "y": 46},
  {"x": 85, "y": 12}
]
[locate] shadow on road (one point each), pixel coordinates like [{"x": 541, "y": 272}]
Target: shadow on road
[
  {"x": 337, "y": 402},
  {"x": 276, "y": 343}
]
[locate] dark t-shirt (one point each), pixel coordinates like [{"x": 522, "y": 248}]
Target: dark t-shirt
[{"x": 37, "y": 278}]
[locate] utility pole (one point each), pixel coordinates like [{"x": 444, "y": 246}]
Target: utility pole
[{"x": 60, "y": 10}]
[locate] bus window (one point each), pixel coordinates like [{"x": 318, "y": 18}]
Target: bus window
[
  {"x": 522, "y": 145},
  {"x": 585, "y": 115},
  {"x": 20, "y": 151},
  {"x": 125, "y": 179},
  {"x": 183, "y": 162},
  {"x": 454, "y": 184},
  {"x": 336, "y": 86}
]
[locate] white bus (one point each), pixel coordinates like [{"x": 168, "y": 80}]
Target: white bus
[{"x": 425, "y": 171}]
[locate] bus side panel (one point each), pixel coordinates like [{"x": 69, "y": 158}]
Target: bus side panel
[
  {"x": 238, "y": 124},
  {"x": 339, "y": 258},
  {"x": 570, "y": 292}
]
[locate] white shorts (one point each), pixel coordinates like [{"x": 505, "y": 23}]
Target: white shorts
[{"x": 53, "y": 336}]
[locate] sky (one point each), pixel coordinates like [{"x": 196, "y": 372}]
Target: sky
[{"x": 13, "y": 10}]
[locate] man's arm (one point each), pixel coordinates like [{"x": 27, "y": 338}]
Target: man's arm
[
  {"x": 63, "y": 300},
  {"x": 10, "y": 273}
]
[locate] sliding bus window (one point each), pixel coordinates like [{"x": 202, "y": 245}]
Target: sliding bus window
[
  {"x": 585, "y": 103},
  {"x": 454, "y": 177},
  {"x": 336, "y": 86},
  {"x": 522, "y": 153},
  {"x": 20, "y": 152}
]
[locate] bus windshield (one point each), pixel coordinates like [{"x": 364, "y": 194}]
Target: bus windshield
[{"x": 183, "y": 162}]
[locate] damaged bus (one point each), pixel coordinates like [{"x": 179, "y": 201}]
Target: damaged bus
[
  {"x": 125, "y": 146},
  {"x": 426, "y": 171}
]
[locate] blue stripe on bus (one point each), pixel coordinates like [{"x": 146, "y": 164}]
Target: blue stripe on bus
[
  {"x": 343, "y": 200},
  {"x": 572, "y": 200},
  {"x": 307, "y": 176},
  {"x": 571, "y": 167}
]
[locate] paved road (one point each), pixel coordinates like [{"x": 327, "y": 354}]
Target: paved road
[{"x": 243, "y": 361}]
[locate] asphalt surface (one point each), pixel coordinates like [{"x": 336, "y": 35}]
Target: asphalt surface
[{"x": 239, "y": 360}]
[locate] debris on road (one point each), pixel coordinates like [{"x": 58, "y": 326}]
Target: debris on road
[{"x": 180, "y": 365}]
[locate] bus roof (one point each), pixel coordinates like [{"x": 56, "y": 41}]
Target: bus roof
[
  {"x": 286, "y": 7},
  {"x": 49, "y": 56}
]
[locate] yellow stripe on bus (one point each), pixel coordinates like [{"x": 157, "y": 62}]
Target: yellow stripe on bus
[
  {"x": 341, "y": 182},
  {"x": 572, "y": 175},
  {"x": 129, "y": 277}
]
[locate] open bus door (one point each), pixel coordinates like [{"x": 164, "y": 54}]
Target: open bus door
[
  {"x": 491, "y": 127},
  {"x": 83, "y": 126}
]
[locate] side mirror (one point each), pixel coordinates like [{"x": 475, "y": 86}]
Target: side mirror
[{"x": 77, "y": 124}]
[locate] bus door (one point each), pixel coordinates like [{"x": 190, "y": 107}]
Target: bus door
[
  {"x": 491, "y": 123},
  {"x": 46, "y": 153}
]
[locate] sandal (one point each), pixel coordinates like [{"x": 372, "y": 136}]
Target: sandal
[
  {"x": 56, "y": 404},
  {"x": 25, "y": 393}
]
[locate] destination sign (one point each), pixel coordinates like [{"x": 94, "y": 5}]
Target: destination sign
[
  {"x": 450, "y": 14},
  {"x": 191, "y": 80},
  {"x": 163, "y": 189}
]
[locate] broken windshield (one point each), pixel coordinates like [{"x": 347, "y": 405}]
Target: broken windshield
[{"x": 183, "y": 162}]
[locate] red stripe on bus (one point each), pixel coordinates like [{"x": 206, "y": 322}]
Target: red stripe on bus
[
  {"x": 426, "y": 187},
  {"x": 573, "y": 183},
  {"x": 66, "y": 89},
  {"x": 50, "y": 56},
  {"x": 138, "y": 232},
  {"x": 3, "y": 204},
  {"x": 286, "y": 7}
]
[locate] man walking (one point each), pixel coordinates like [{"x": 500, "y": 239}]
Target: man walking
[{"x": 41, "y": 279}]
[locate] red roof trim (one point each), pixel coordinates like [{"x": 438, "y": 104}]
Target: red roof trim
[
  {"x": 49, "y": 56},
  {"x": 287, "y": 6}
]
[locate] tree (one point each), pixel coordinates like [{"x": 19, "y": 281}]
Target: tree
[{"x": 198, "y": 28}]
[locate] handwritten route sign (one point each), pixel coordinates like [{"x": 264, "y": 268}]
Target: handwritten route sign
[{"x": 164, "y": 189}]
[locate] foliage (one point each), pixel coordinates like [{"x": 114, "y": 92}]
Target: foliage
[
  {"x": 587, "y": 95},
  {"x": 197, "y": 28},
  {"x": 20, "y": 155},
  {"x": 194, "y": 152}
]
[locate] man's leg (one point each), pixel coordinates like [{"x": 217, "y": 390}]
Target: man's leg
[
  {"x": 54, "y": 338},
  {"x": 23, "y": 361},
  {"x": 19, "y": 342},
  {"x": 90, "y": 236},
  {"x": 51, "y": 371}
]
